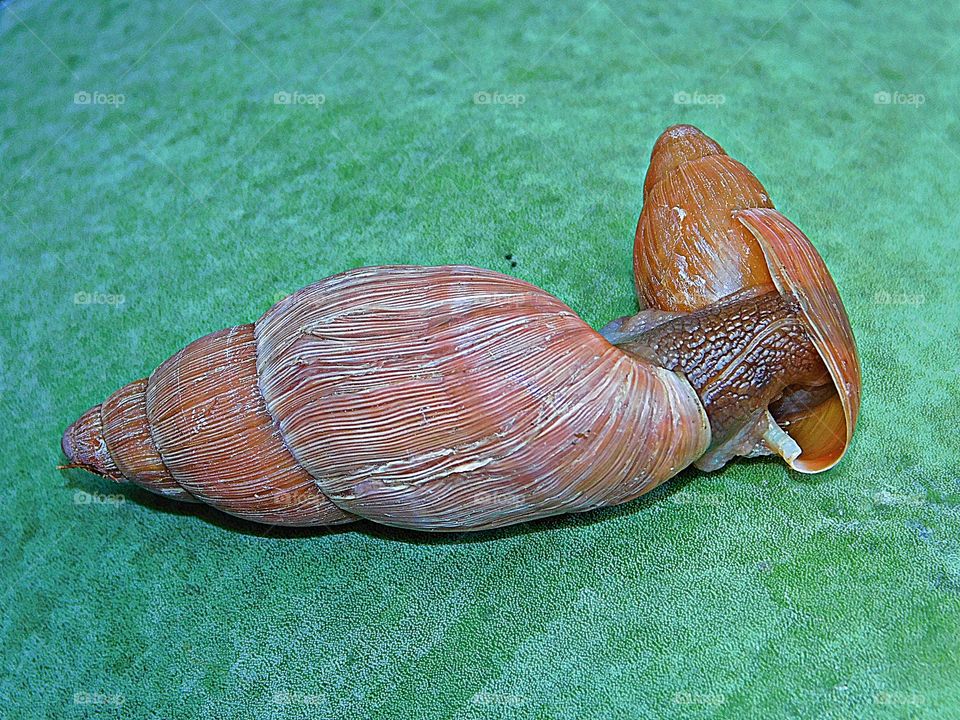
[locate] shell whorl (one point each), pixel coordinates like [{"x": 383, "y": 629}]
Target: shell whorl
[
  {"x": 447, "y": 398},
  {"x": 208, "y": 420},
  {"x": 689, "y": 250},
  {"x": 458, "y": 398}
]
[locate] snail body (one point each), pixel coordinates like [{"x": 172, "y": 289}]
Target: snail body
[{"x": 456, "y": 398}]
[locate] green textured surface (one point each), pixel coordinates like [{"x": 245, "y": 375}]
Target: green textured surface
[{"x": 751, "y": 592}]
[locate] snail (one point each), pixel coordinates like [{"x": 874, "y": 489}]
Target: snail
[
  {"x": 455, "y": 398},
  {"x": 708, "y": 231}
]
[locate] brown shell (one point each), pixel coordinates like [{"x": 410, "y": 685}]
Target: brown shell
[
  {"x": 689, "y": 251},
  {"x": 708, "y": 229},
  {"x": 127, "y": 434},
  {"x": 85, "y": 447},
  {"x": 457, "y": 398},
  {"x": 197, "y": 431},
  {"x": 447, "y": 398}
]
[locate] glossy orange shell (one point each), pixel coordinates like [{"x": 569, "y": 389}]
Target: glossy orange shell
[
  {"x": 708, "y": 229},
  {"x": 798, "y": 271}
]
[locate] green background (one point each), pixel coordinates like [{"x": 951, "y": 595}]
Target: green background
[{"x": 750, "y": 592}]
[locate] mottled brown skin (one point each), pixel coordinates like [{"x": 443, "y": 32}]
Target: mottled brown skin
[{"x": 740, "y": 355}]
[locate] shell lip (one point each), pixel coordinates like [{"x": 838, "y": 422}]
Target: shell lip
[{"x": 799, "y": 272}]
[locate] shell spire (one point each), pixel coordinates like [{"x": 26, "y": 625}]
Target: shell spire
[{"x": 196, "y": 430}]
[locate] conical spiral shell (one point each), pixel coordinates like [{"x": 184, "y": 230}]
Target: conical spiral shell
[
  {"x": 197, "y": 430},
  {"x": 209, "y": 423},
  {"x": 448, "y": 398}
]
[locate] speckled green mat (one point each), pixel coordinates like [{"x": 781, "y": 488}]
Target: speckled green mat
[{"x": 152, "y": 190}]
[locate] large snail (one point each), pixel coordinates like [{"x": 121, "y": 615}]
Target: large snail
[{"x": 455, "y": 398}]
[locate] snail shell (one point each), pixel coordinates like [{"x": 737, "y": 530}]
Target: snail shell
[{"x": 443, "y": 398}]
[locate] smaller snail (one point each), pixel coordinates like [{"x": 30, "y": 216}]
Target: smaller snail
[
  {"x": 454, "y": 398},
  {"x": 708, "y": 231}
]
